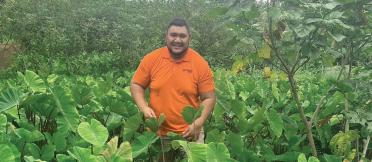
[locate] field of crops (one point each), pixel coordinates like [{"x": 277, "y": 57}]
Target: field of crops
[{"x": 293, "y": 80}]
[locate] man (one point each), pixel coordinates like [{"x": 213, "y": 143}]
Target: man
[{"x": 177, "y": 76}]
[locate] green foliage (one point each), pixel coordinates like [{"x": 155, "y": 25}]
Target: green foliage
[
  {"x": 203, "y": 152},
  {"x": 341, "y": 144},
  {"x": 302, "y": 158},
  {"x": 115, "y": 153},
  {"x": 142, "y": 143},
  {"x": 9, "y": 153},
  {"x": 94, "y": 132},
  {"x": 154, "y": 124},
  {"x": 77, "y": 58},
  {"x": 10, "y": 98},
  {"x": 190, "y": 114}
]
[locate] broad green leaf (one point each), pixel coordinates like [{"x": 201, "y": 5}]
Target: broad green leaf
[
  {"x": 239, "y": 108},
  {"x": 235, "y": 142},
  {"x": 119, "y": 108},
  {"x": 32, "y": 149},
  {"x": 312, "y": 20},
  {"x": 7, "y": 154},
  {"x": 217, "y": 152},
  {"x": 331, "y": 5},
  {"x": 275, "y": 90},
  {"x": 195, "y": 152},
  {"x": 131, "y": 126},
  {"x": 3, "y": 122},
  {"x": 287, "y": 156},
  {"x": 34, "y": 82},
  {"x": 143, "y": 142},
  {"x": 154, "y": 124},
  {"x": 93, "y": 132},
  {"x": 301, "y": 158},
  {"x": 190, "y": 114},
  {"x": 52, "y": 78},
  {"x": 65, "y": 158},
  {"x": 340, "y": 23},
  {"x": 10, "y": 98},
  {"x": 174, "y": 136},
  {"x": 114, "y": 121},
  {"x": 344, "y": 86},
  {"x": 66, "y": 107},
  {"x": 47, "y": 152},
  {"x": 29, "y": 136},
  {"x": 243, "y": 125},
  {"x": 247, "y": 155},
  {"x": 124, "y": 153},
  {"x": 313, "y": 159},
  {"x": 230, "y": 89},
  {"x": 32, "y": 159},
  {"x": 341, "y": 143},
  {"x": 276, "y": 122},
  {"x": 82, "y": 94},
  {"x": 215, "y": 135},
  {"x": 303, "y": 31},
  {"x": 114, "y": 154},
  {"x": 84, "y": 154},
  {"x": 257, "y": 118},
  {"x": 59, "y": 140},
  {"x": 337, "y": 37}
]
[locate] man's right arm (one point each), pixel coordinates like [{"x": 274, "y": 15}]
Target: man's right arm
[{"x": 138, "y": 94}]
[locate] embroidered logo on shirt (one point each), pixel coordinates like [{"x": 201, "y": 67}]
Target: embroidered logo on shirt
[{"x": 187, "y": 70}]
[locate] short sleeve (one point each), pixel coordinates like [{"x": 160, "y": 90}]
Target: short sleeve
[
  {"x": 206, "y": 82},
  {"x": 142, "y": 74}
]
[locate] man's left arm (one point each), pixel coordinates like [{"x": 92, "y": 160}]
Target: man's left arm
[{"x": 208, "y": 101}]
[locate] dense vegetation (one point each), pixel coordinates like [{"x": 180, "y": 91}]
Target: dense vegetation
[{"x": 293, "y": 79}]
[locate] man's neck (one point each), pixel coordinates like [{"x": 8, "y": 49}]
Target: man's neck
[{"x": 177, "y": 57}]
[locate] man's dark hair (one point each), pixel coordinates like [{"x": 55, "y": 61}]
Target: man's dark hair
[{"x": 179, "y": 22}]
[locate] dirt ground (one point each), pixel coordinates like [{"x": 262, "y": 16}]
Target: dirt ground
[{"x": 6, "y": 53}]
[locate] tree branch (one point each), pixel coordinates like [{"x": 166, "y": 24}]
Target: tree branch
[{"x": 365, "y": 148}]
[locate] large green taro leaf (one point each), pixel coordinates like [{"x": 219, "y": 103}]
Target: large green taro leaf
[
  {"x": 143, "y": 142},
  {"x": 154, "y": 124},
  {"x": 9, "y": 153},
  {"x": 10, "y": 98},
  {"x": 196, "y": 152},
  {"x": 33, "y": 81},
  {"x": 217, "y": 152},
  {"x": 190, "y": 114},
  {"x": 93, "y": 132},
  {"x": 67, "y": 108},
  {"x": 275, "y": 121},
  {"x": 84, "y": 155},
  {"x": 115, "y": 154}
]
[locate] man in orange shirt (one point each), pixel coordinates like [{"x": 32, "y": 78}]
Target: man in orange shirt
[{"x": 177, "y": 76}]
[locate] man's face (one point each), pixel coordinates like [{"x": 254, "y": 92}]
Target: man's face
[{"x": 177, "y": 39}]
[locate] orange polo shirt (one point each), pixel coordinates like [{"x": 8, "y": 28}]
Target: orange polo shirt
[{"x": 173, "y": 85}]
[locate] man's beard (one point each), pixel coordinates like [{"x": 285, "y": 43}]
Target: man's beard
[{"x": 178, "y": 54}]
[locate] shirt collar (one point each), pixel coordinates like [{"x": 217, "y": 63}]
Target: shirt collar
[{"x": 186, "y": 58}]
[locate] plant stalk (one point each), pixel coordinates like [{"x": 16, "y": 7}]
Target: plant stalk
[
  {"x": 365, "y": 148},
  {"x": 302, "y": 115}
]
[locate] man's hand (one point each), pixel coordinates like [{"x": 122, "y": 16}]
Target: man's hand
[
  {"x": 193, "y": 131},
  {"x": 148, "y": 112}
]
